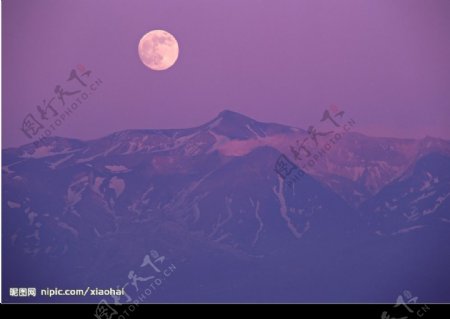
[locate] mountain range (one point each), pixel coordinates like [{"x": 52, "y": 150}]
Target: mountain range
[{"x": 370, "y": 218}]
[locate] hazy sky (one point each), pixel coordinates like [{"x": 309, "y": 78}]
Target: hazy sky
[{"x": 385, "y": 62}]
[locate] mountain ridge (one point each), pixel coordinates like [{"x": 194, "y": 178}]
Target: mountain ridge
[{"x": 211, "y": 199}]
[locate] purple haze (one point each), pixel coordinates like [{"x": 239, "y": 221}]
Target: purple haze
[{"x": 385, "y": 62}]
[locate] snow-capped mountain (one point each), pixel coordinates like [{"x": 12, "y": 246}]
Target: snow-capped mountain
[
  {"x": 209, "y": 197},
  {"x": 416, "y": 199}
]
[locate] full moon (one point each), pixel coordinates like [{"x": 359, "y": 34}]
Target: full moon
[{"x": 158, "y": 50}]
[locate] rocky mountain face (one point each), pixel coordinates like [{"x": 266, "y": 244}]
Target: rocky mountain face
[{"x": 364, "y": 223}]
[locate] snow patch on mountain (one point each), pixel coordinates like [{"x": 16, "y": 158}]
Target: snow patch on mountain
[
  {"x": 54, "y": 165},
  {"x": 258, "y": 135},
  {"x": 117, "y": 168},
  {"x": 97, "y": 183},
  {"x": 229, "y": 147},
  {"x": 7, "y": 170},
  {"x": 423, "y": 196},
  {"x": 438, "y": 203},
  {"x": 66, "y": 226},
  {"x": 283, "y": 208},
  {"x": 408, "y": 229},
  {"x": 42, "y": 151},
  {"x": 429, "y": 182},
  {"x": 31, "y": 216},
  {"x": 258, "y": 218},
  {"x": 75, "y": 190},
  {"x": 12, "y": 204},
  {"x": 118, "y": 185}
]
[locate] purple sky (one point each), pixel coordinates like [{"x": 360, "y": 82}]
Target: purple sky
[{"x": 386, "y": 63}]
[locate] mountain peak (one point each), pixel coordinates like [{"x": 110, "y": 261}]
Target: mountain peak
[
  {"x": 235, "y": 125},
  {"x": 238, "y": 126},
  {"x": 229, "y": 115}
]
